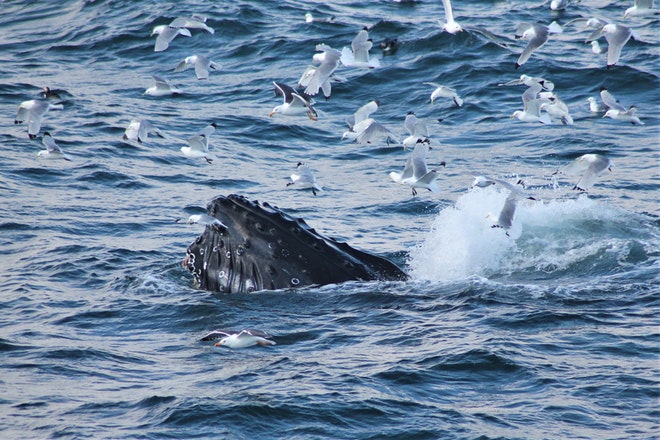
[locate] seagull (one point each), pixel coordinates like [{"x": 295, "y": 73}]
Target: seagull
[
  {"x": 594, "y": 106},
  {"x": 532, "y": 107},
  {"x": 640, "y": 9},
  {"x": 204, "y": 220},
  {"x": 320, "y": 78},
  {"x": 529, "y": 81},
  {"x": 535, "y": 34},
  {"x": 588, "y": 167},
  {"x": 417, "y": 129},
  {"x": 369, "y": 131},
  {"x": 201, "y": 64},
  {"x": 627, "y": 115},
  {"x": 196, "y": 21},
  {"x": 304, "y": 178},
  {"x": 309, "y": 18},
  {"x": 557, "y": 108},
  {"x": 239, "y": 339},
  {"x": 47, "y": 92},
  {"x": 358, "y": 54},
  {"x": 450, "y": 25},
  {"x": 617, "y": 36},
  {"x": 558, "y": 5},
  {"x": 52, "y": 151},
  {"x": 389, "y": 46},
  {"x": 294, "y": 103},
  {"x": 505, "y": 219},
  {"x": 198, "y": 146},
  {"x": 166, "y": 34},
  {"x": 161, "y": 88},
  {"x": 420, "y": 177},
  {"x": 610, "y": 101},
  {"x": 139, "y": 130},
  {"x": 33, "y": 111},
  {"x": 363, "y": 113},
  {"x": 444, "y": 92},
  {"x": 596, "y": 47}
]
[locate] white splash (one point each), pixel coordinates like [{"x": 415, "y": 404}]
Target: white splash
[{"x": 550, "y": 235}]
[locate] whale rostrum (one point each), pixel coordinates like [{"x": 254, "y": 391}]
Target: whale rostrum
[{"x": 256, "y": 246}]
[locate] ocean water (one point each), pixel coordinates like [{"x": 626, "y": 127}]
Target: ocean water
[{"x": 549, "y": 332}]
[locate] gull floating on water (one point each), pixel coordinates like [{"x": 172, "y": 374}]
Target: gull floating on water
[
  {"x": 558, "y": 5},
  {"x": 294, "y": 102},
  {"x": 444, "y": 92},
  {"x": 595, "y": 106},
  {"x": 33, "y": 111},
  {"x": 505, "y": 218},
  {"x": 320, "y": 77},
  {"x": 304, "y": 178},
  {"x": 139, "y": 130},
  {"x": 536, "y": 36},
  {"x": 162, "y": 87},
  {"x": 239, "y": 339},
  {"x": 358, "y": 54},
  {"x": 201, "y": 64},
  {"x": 52, "y": 151},
  {"x": 596, "y": 47},
  {"x": 641, "y": 8},
  {"x": 588, "y": 167},
  {"x": 309, "y": 18}
]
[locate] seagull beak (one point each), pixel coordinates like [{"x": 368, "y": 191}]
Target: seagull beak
[
  {"x": 271, "y": 114},
  {"x": 217, "y": 344}
]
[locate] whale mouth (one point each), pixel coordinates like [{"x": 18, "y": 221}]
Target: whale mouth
[{"x": 259, "y": 247}]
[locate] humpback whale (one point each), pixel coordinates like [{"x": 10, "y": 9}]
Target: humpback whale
[{"x": 255, "y": 246}]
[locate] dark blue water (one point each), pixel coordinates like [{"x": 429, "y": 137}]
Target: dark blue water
[{"x": 551, "y": 332}]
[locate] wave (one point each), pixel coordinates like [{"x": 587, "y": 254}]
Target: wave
[{"x": 578, "y": 237}]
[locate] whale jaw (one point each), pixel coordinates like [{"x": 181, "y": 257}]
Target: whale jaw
[{"x": 259, "y": 247}]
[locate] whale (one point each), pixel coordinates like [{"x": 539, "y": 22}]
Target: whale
[{"x": 255, "y": 246}]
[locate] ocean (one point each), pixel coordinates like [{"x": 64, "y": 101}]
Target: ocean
[{"x": 549, "y": 331}]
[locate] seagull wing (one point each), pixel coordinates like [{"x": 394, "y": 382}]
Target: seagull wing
[
  {"x": 615, "y": 42},
  {"x": 217, "y": 334},
  {"x": 505, "y": 219},
  {"x": 610, "y": 101},
  {"x": 199, "y": 143}
]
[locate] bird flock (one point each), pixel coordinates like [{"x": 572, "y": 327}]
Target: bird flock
[{"x": 540, "y": 101}]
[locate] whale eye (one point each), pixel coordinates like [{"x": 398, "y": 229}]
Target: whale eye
[
  {"x": 295, "y": 281},
  {"x": 271, "y": 245},
  {"x": 240, "y": 251}
]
